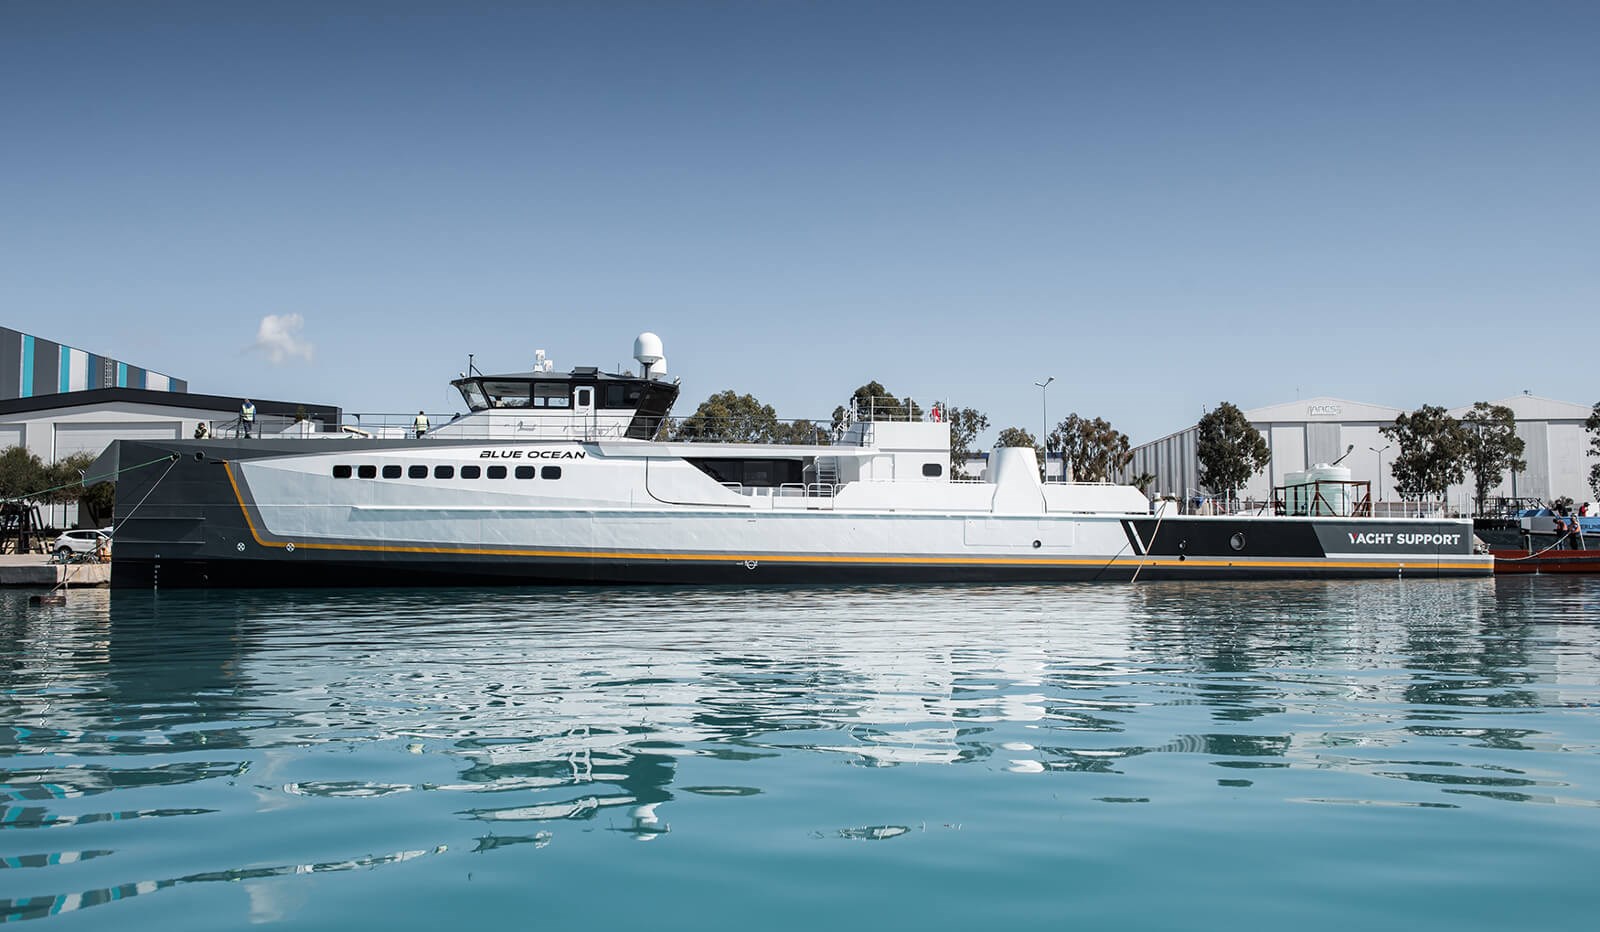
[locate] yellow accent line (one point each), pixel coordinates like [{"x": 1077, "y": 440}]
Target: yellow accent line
[{"x": 831, "y": 558}]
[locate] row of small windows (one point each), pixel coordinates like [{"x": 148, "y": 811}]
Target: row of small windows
[{"x": 445, "y": 472}]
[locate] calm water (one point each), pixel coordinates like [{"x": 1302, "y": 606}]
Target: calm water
[{"x": 1358, "y": 755}]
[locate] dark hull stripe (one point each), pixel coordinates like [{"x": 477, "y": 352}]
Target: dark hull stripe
[{"x": 170, "y": 573}]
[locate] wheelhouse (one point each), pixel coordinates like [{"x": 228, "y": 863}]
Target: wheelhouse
[{"x": 583, "y": 391}]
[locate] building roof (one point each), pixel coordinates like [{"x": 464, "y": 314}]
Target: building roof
[
  {"x": 100, "y": 397},
  {"x": 1535, "y": 408},
  {"x": 1323, "y": 408}
]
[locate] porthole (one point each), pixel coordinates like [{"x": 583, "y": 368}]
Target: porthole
[
  {"x": 1236, "y": 542},
  {"x": 417, "y": 472},
  {"x": 497, "y": 472},
  {"x": 367, "y": 472},
  {"x": 1037, "y": 544},
  {"x": 341, "y": 472},
  {"x": 391, "y": 472},
  {"x": 470, "y": 472},
  {"x": 933, "y": 470},
  {"x": 444, "y": 472},
  {"x": 526, "y": 472},
  {"x": 550, "y": 472}
]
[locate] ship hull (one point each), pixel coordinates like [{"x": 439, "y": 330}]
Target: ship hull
[{"x": 271, "y": 515}]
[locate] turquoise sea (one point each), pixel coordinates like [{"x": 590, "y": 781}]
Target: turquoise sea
[{"x": 1332, "y": 755}]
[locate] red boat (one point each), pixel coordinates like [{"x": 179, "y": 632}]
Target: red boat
[{"x": 1531, "y": 543}]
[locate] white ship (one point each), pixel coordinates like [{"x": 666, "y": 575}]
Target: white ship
[{"x": 558, "y": 478}]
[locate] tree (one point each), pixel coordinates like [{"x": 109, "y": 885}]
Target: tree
[
  {"x": 1433, "y": 452},
  {"x": 1593, "y": 425},
  {"x": 873, "y": 402},
  {"x": 1229, "y": 450},
  {"x": 1492, "y": 447},
  {"x": 1092, "y": 450},
  {"x": 729, "y": 417},
  {"x": 64, "y": 478},
  {"x": 1143, "y": 481},
  {"x": 96, "y": 503},
  {"x": 965, "y": 426},
  {"x": 1017, "y": 437},
  {"x": 21, "y": 473},
  {"x": 801, "y": 431}
]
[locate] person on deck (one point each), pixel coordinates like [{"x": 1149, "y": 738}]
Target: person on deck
[
  {"x": 420, "y": 424},
  {"x": 247, "y": 417}
]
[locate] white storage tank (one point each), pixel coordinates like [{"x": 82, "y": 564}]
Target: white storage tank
[
  {"x": 1297, "y": 496},
  {"x": 1332, "y": 494}
]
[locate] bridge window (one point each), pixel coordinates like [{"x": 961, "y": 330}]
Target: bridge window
[
  {"x": 341, "y": 472},
  {"x": 391, "y": 472},
  {"x": 367, "y": 472},
  {"x": 444, "y": 472},
  {"x": 551, "y": 395},
  {"x": 525, "y": 472},
  {"x": 417, "y": 472},
  {"x": 550, "y": 472},
  {"x": 472, "y": 393},
  {"x": 497, "y": 472},
  {"x": 620, "y": 395},
  {"x": 506, "y": 394},
  {"x": 470, "y": 472}
]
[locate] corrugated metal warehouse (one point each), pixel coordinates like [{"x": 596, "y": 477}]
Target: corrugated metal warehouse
[{"x": 1319, "y": 430}]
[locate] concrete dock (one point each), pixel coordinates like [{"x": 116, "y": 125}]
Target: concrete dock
[{"x": 36, "y": 571}]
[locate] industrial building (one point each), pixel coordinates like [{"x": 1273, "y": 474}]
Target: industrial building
[
  {"x": 31, "y": 365},
  {"x": 53, "y": 427},
  {"x": 1301, "y": 434}
]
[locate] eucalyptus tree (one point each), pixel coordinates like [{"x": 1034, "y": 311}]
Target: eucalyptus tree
[
  {"x": 873, "y": 402},
  {"x": 729, "y": 417},
  {"x": 1492, "y": 447},
  {"x": 1229, "y": 449},
  {"x": 1433, "y": 452},
  {"x": 965, "y": 426},
  {"x": 1092, "y": 450},
  {"x": 1593, "y": 426}
]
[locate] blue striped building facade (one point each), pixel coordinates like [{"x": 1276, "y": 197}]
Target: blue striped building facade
[{"x": 31, "y": 365}]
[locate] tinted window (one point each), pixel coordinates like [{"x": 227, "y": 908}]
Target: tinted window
[
  {"x": 932, "y": 469},
  {"x": 497, "y": 472},
  {"x": 367, "y": 472},
  {"x": 506, "y": 394},
  {"x": 551, "y": 395},
  {"x": 550, "y": 472},
  {"x": 341, "y": 472},
  {"x": 417, "y": 472},
  {"x": 470, "y": 472},
  {"x": 525, "y": 472},
  {"x": 391, "y": 472},
  {"x": 585, "y": 397},
  {"x": 444, "y": 472}
]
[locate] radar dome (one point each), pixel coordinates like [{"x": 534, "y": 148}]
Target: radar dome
[{"x": 647, "y": 349}]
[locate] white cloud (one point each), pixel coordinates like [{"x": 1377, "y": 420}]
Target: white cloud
[{"x": 279, "y": 337}]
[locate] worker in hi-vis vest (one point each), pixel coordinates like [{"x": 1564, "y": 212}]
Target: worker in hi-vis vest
[
  {"x": 247, "y": 417},
  {"x": 421, "y": 423}
]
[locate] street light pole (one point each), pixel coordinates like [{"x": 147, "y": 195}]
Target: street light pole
[
  {"x": 1380, "y": 473},
  {"x": 1044, "y": 438}
]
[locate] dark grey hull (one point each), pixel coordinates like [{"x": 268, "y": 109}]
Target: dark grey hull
[{"x": 183, "y": 524}]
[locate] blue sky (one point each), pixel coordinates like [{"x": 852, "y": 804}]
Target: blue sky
[{"x": 1160, "y": 205}]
